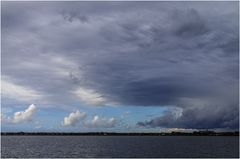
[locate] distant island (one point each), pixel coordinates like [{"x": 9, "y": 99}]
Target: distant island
[{"x": 195, "y": 133}]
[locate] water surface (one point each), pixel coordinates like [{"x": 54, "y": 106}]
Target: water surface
[{"x": 119, "y": 146}]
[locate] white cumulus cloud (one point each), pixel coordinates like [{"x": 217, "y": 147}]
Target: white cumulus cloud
[
  {"x": 26, "y": 115},
  {"x": 77, "y": 117},
  {"x": 74, "y": 118},
  {"x": 21, "y": 116},
  {"x": 101, "y": 122}
]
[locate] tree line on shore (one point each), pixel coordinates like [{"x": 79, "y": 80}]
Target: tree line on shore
[{"x": 195, "y": 133}]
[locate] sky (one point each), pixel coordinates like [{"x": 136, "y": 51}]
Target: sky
[{"x": 119, "y": 66}]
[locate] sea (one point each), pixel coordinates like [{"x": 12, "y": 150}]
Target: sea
[{"x": 119, "y": 146}]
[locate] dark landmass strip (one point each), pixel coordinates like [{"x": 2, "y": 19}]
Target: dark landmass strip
[{"x": 195, "y": 133}]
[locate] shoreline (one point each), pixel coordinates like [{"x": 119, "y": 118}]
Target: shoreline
[{"x": 200, "y": 133}]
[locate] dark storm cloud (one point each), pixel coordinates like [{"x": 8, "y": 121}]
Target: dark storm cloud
[
  {"x": 73, "y": 17},
  {"x": 189, "y": 24},
  {"x": 129, "y": 53},
  {"x": 197, "y": 118}
]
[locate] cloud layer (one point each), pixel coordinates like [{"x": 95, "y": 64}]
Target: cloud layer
[
  {"x": 171, "y": 54},
  {"x": 22, "y": 93}
]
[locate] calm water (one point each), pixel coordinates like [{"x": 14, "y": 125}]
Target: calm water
[{"x": 119, "y": 146}]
